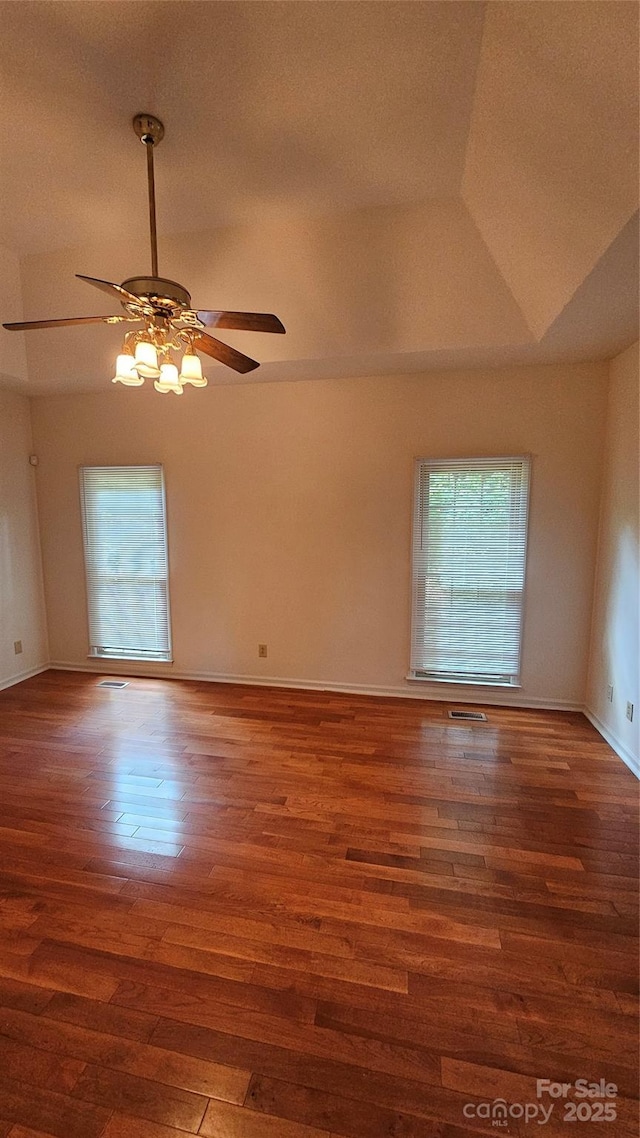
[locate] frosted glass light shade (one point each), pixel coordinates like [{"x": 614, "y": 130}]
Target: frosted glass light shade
[
  {"x": 165, "y": 387},
  {"x": 191, "y": 371},
  {"x": 169, "y": 380},
  {"x": 146, "y": 360},
  {"x": 126, "y": 371}
]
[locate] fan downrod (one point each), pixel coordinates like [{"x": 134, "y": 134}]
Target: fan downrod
[{"x": 150, "y": 131}]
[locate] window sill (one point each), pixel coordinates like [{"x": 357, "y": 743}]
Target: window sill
[
  {"x": 125, "y": 659},
  {"x": 460, "y": 683}
]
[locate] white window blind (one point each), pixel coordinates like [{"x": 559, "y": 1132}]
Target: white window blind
[
  {"x": 126, "y": 562},
  {"x": 469, "y": 553}
]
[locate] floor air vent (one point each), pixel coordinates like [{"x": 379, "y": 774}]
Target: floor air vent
[
  {"x": 475, "y": 716},
  {"x": 113, "y": 684}
]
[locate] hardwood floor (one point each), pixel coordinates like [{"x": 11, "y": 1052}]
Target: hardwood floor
[{"x": 259, "y": 913}]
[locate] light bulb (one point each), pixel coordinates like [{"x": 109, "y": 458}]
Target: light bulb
[
  {"x": 146, "y": 359},
  {"x": 191, "y": 370},
  {"x": 126, "y": 372}
]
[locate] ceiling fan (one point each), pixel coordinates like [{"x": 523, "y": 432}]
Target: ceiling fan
[{"x": 164, "y": 308}]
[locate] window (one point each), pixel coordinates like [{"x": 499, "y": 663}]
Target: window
[
  {"x": 126, "y": 562},
  {"x": 469, "y": 551}
]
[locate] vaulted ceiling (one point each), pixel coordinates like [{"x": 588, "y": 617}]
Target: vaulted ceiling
[{"x": 408, "y": 185}]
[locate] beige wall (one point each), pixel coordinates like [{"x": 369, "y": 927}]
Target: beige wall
[
  {"x": 290, "y": 509},
  {"x": 22, "y": 615},
  {"x": 615, "y": 632}
]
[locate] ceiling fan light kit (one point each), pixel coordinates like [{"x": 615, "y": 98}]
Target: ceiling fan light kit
[{"x": 164, "y": 309}]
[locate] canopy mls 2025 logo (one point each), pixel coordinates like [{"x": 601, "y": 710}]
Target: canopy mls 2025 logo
[{"x": 580, "y": 1101}]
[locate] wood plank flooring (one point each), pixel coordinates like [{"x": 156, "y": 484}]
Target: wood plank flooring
[{"x": 260, "y": 913}]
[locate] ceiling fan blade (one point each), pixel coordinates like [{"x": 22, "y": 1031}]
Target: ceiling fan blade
[
  {"x": 224, "y": 354},
  {"x": 112, "y": 290},
  {"x": 26, "y": 325},
  {"x": 243, "y": 321}
]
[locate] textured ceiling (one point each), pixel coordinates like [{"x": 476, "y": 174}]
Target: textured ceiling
[
  {"x": 268, "y": 107},
  {"x": 406, "y": 184},
  {"x": 551, "y": 174}
]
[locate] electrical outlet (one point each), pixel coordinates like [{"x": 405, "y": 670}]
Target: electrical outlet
[
  {"x": 17, "y": 647},
  {"x": 630, "y": 712},
  {"x": 262, "y": 650},
  {"x": 610, "y": 693}
]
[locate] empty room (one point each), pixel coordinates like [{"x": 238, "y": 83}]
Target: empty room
[{"x": 319, "y": 612}]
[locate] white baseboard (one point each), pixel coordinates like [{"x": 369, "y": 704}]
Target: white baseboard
[
  {"x": 614, "y": 742},
  {"x": 164, "y": 671},
  {"x": 20, "y": 676}
]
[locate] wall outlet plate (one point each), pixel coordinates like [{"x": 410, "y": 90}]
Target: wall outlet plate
[
  {"x": 17, "y": 647},
  {"x": 630, "y": 712},
  {"x": 262, "y": 650}
]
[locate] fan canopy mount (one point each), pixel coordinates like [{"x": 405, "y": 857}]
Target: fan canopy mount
[
  {"x": 164, "y": 307},
  {"x": 149, "y": 129}
]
